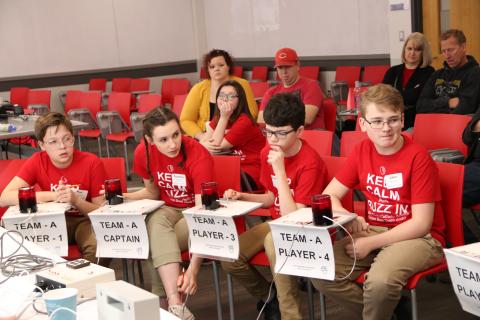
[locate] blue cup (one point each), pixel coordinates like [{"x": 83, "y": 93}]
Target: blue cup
[{"x": 61, "y": 298}]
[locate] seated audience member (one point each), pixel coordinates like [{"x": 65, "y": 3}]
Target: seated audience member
[
  {"x": 471, "y": 184},
  {"x": 291, "y": 172},
  {"x": 199, "y": 106},
  {"x": 403, "y": 231},
  {"x": 234, "y": 128},
  {"x": 173, "y": 167},
  {"x": 456, "y": 87},
  {"x": 63, "y": 175},
  {"x": 288, "y": 66},
  {"x": 410, "y": 77}
]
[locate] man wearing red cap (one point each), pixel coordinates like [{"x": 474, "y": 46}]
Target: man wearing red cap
[{"x": 288, "y": 66}]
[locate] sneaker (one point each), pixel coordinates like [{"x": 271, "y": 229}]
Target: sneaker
[
  {"x": 181, "y": 311},
  {"x": 271, "y": 310}
]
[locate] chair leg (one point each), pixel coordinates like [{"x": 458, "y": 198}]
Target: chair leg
[
  {"x": 126, "y": 159},
  {"x": 134, "y": 280},
  {"x": 99, "y": 147},
  {"x": 311, "y": 310},
  {"x": 230, "y": 296},
  {"x": 216, "y": 281},
  {"x": 140, "y": 273},
  {"x": 108, "y": 151},
  {"x": 125, "y": 270},
  {"x": 6, "y": 149},
  {"x": 323, "y": 308},
  {"x": 413, "y": 292}
]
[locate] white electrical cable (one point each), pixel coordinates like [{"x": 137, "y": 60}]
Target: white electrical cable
[
  {"x": 291, "y": 246},
  {"x": 353, "y": 244},
  {"x": 15, "y": 264}
]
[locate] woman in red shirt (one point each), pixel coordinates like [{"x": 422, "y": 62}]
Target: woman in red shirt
[
  {"x": 173, "y": 167},
  {"x": 234, "y": 128}
]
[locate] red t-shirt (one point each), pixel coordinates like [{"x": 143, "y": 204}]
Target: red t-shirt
[
  {"x": 392, "y": 183},
  {"x": 177, "y": 179},
  {"x": 247, "y": 141},
  {"x": 309, "y": 92},
  {"x": 86, "y": 171},
  {"x": 306, "y": 174},
  {"x": 407, "y": 74}
]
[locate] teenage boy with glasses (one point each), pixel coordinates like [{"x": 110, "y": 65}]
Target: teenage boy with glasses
[
  {"x": 403, "y": 229},
  {"x": 64, "y": 175},
  {"x": 291, "y": 172}
]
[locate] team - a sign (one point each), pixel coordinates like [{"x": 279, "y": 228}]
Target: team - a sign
[
  {"x": 47, "y": 227},
  {"x": 464, "y": 268},
  {"x": 120, "y": 235}
]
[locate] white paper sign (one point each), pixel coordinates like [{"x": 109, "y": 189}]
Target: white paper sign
[
  {"x": 212, "y": 236},
  {"x": 47, "y": 227},
  {"x": 464, "y": 268},
  {"x": 120, "y": 235},
  {"x": 303, "y": 250},
  {"x": 213, "y": 233}
]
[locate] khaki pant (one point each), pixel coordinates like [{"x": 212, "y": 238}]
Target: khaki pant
[
  {"x": 251, "y": 243},
  {"x": 80, "y": 231},
  {"x": 168, "y": 237},
  {"x": 288, "y": 293},
  {"x": 390, "y": 269}
]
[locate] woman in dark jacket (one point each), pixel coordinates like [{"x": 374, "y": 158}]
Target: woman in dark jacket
[{"x": 410, "y": 76}]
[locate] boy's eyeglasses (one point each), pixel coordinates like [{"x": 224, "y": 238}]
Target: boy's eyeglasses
[
  {"x": 278, "y": 134},
  {"x": 67, "y": 141},
  {"x": 228, "y": 97},
  {"x": 378, "y": 124}
]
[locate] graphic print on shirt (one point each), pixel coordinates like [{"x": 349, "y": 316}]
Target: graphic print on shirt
[
  {"x": 384, "y": 203},
  {"x": 240, "y": 153},
  {"x": 446, "y": 88},
  {"x": 175, "y": 187},
  {"x": 73, "y": 187}
]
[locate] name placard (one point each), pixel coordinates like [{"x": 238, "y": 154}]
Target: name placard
[
  {"x": 212, "y": 236},
  {"x": 120, "y": 235},
  {"x": 464, "y": 268},
  {"x": 302, "y": 249},
  {"x": 47, "y": 227},
  {"x": 213, "y": 233}
]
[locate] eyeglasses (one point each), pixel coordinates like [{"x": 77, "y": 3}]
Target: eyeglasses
[
  {"x": 67, "y": 141},
  {"x": 278, "y": 134},
  {"x": 378, "y": 124},
  {"x": 229, "y": 97}
]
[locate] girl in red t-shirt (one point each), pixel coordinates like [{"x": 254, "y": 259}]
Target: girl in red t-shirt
[
  {"x": 233, "y": 128},
  {"x": 172, "y": 167}
]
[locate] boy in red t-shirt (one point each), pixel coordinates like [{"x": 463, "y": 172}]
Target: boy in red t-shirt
[
  {"x": 291, "y": 172},
  {"x": 64, "y": 175},
  {"x": 403, "y": 230}
]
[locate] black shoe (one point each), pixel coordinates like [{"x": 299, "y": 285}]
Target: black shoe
[{"x": 271, "y": 310}]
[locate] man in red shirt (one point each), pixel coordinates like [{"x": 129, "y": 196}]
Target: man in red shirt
[
  {"x": 291, "y": 172},
  {"x": 64, "y": 175},
  {"x": 288, "y": 66},
  {"x": 403, "y": 230}
]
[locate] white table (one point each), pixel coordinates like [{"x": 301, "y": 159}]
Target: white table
[{"x": 26, "y": 125}]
